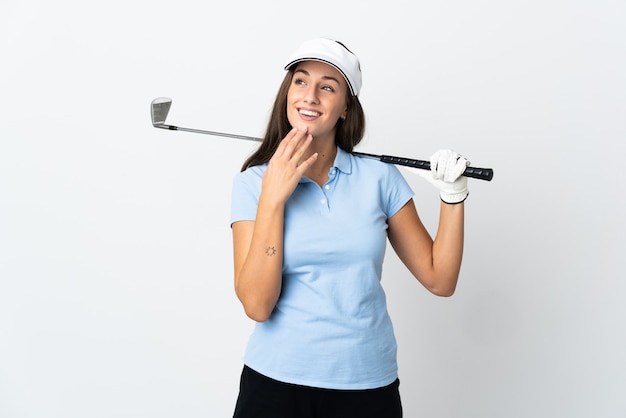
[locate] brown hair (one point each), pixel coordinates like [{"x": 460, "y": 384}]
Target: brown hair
[{"x": 350, "y": 130}]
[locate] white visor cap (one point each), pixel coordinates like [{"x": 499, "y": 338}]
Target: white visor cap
[{"x": 330, "y": 52}]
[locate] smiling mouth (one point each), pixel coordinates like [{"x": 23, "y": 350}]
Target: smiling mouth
[{"x": 310, "y": 113}]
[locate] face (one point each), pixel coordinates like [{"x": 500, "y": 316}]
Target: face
[{"x": 317, "y": 98}]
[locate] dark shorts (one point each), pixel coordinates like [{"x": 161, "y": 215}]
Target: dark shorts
[{"x": 262, "y": 397}]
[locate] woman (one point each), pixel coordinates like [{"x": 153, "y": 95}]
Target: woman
[{"x": 310, "y": 223}]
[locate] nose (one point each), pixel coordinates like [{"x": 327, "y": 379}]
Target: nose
[{"x": 310, "y": 95}]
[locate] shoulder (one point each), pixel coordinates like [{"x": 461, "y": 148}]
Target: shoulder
[
  {"x": 249, "y": 181},
  {"x": 245, "y": 193},
  {"x": 250, "y": 175},
  {"x": 392, "y": 186},
  {"x": 373, "y": 166}
]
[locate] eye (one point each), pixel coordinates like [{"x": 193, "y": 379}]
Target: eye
[
  {"x": 328, "y": 88},
  {"x": 298, "y": 81}
]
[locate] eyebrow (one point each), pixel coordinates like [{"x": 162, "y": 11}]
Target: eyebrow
[{"x": 326, "y": 77}]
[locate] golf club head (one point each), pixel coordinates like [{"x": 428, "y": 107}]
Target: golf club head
[{"x": 159, "y": 108}]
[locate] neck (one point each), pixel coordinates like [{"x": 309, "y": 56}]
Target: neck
[{"x": 318, "y": 172}]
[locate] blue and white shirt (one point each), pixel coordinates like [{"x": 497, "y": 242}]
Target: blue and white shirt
[{"x": 330, "y": 327}]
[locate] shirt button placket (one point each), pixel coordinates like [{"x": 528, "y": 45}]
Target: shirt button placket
[
  {"x": 326, "y": 189},
  {"x": 326, "y": 199}
]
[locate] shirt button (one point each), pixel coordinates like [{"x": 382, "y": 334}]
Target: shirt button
[
  {"x": 327, "y": 187},
  {"x": 323, "y": 201}
]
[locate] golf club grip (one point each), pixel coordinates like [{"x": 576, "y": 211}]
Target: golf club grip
[{"x": 473, "y": 172}]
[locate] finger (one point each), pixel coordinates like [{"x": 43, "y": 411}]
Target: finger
[
  {"x": 280, "y": 150},
  {"x": 437, "y": 165},
  {"x": 450, "y": 171},
  {"x": 301, "y": 147},
  {"x": 457, "y": 169},
  {"x": 307, "y": 163},
  {"x": 291, "y": 142}
]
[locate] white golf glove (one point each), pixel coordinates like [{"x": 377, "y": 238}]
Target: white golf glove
[{"x": 446, "y": 169}]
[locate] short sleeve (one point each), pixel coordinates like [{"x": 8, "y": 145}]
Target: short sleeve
[
  {"x": 245, "y": 194},
  {"x": 398, "y": 191}
]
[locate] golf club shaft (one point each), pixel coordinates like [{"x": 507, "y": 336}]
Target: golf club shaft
[
  {"x": 473, "y": 172},
  {"x": 200, "y": 131}
]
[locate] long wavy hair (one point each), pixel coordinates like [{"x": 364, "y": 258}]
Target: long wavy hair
[{"x": 348, "y": 134}]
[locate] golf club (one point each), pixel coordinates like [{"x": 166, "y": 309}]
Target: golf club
[{"x": 160, "y": 107}]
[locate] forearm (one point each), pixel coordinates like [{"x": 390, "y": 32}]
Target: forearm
[
  {"x": 448, "y": 247},
  {"x": 258, "y": 245},
  {"x": 258, "y": 280}
]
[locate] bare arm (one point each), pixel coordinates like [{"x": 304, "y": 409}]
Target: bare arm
[
  {"x": 435, "y": 263},
  {"x": 258, "y": 258},
  {"x": 258, "y": 245}
]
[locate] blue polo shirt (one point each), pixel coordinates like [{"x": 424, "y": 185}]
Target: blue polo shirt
[{"x": 330, "y": 327}]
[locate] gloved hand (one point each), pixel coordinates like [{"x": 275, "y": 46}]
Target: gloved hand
[{"x": 446, "y": 167}]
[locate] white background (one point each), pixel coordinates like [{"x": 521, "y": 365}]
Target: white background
[{"x": 116, "y": 294}]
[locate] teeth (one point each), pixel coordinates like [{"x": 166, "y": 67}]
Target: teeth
[{"x": 309, "y": 112}]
